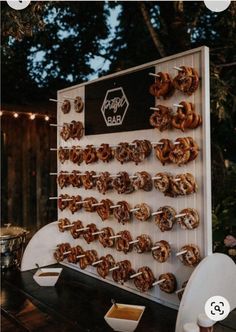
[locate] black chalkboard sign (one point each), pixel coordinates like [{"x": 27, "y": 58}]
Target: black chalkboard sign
[{"x": 117, "y": 104}]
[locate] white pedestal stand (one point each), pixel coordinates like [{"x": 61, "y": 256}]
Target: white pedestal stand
[{"x": 215, "y": 275}]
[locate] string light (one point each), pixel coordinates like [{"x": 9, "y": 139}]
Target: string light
[{"x": 31, "y": 116}]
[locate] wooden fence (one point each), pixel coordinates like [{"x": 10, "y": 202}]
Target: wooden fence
[{"x": 26, "y": 162}]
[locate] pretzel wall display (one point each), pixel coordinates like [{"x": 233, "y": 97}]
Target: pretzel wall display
[
  {"x": 133, "y": 177},
  {"x": 187, "y": 80},
  {"x": 162, "y": 87},
  {"x": 65, "y": 107},
  {"x": 78, "y": 104}
]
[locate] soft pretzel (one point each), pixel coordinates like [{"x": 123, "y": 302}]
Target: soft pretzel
[
  {"x": 123, "y": 242},
  {"x": 187, "y": 80},
  {"x": 162, "y": 87},
  {"x": 122, "y": 183},
  {"x": 88, "y": 204},
  {"x": 75, "y": 179},
  {"x": 76, "y": 225},
  {"x": 122, "y": 152},
  {"x": 76, "y": 130},
  {"x": 104, "y": 238},
  {"x": 90, "y": 154},
  {"x": 88, "y": 179},
  {"x": 162, "y": 253},
  {"x": 73, "y": 204},
  {"x": 122, "y": 212},
  {"x": 74, "y": 252},
  {"x": 139, "y": 150},
  {"x": 123, "y": 272},
  {"x": 143, "y": 213},
  {"x": 63, "y": 202},
  {"x": 62, "y": 179},
  {"x": 165, "y": 221},
  {"x": 65, "y": 107},
  {"x": 62, "y": 223},
  {"x": 180, "y": 154},
  {"x": 107, "y": 263},
  {"x": 63, "y": 154},
  {"x": 76, "y": 155},
  {"x": 88, "y": 234},
  {"x": 190, "y": 220},
  {"x": 161, "y": 118},
  {"x": 105, "y": 153},
  {"x": 78, "y": 104},
  {"x": 192, "y": 255},
  {"x": 61, "y": 249},
  {"x": 170, "y": 283},
  {"x": 104, "y": 182},
  {"x": 163, "y": 150},
  {"x": 144, "y": 281},
  {"x": 142, "y": 181},
  {"x": 144, "y": 243},
  {"x": 104, "y": 211}
]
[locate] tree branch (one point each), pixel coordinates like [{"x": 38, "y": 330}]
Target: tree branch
[{"x": 155, "y": 38}]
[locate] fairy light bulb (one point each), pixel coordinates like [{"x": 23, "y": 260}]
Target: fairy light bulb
[
  {"x": 32, "y": 116},
  {"x": 16, "y": 115},
  {"x": 46, "y": 118},
  {"x": 1, "y": 113}
]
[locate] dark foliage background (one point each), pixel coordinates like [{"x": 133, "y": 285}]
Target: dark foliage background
[{"x": 69, "y": 34}]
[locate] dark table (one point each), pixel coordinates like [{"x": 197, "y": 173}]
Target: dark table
[{"x": 77, "y": 303}]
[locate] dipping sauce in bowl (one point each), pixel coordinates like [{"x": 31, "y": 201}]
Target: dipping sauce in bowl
[
  {"x": 125, "y": 312},
  {"x": 49, "y": 274}
]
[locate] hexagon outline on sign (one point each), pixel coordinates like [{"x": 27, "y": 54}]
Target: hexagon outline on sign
[{"x": 114, "y": 107}]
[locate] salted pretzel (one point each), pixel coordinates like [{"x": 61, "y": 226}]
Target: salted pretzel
[
  {"x": 76, "y": 155},
  {"x": 183, "y": 184},
  {"x": 92, "y": 256},
  {"x": 187, "y": 80},
  {"x": 65, "y": 107},
  {"x": 90, "y": 154},
  {"x": 162, "y": 87},
  {"x": 170, "y": 283},
  {"x": 189, "y": 220},
  {"x": 78, "y": 104},
  {"x": 104, "y": 211},
  {"x": 122, "y": 243},
  {"x": 162, "y": 251},
  {"x": 63, "y": 222},
  {"x": 165, "y": 221},
  {"x": 180, "y": 154},
  {"x": 122, "y": 212},
  {"x": 142, "y": 181},
  {"x": 192, "y": 255},
  {"x": 162, "y": 182},
  {"x": 104, "y": 238},
  {"x": 163, "y": 150},
  {"x": 143, "y": 213},
  {"x": 74, "y": 253},
  {"x": 144, "y": 281},
  {"x": 76, "y": 225},
  {"x": 65, "y": 133},
  {"x": 161, "y": 118},
  {"x": 105, "y": 153},
  {"x": 104, "y": 182},
  {"x": 144, "y": 243},
  {"x": 63, "y": 154}
]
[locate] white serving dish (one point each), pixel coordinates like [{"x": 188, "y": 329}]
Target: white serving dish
[
  {"x": 47, "y": 280},
  {"x": 130, "y": 319}
]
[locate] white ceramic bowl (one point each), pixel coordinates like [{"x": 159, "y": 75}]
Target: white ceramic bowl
[
  {"x": 47, "y": 280},
  {"x": 125, "y": 317}
]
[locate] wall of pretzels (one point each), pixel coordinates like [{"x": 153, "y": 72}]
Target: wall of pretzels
[{"x": 134, "y": 200}]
